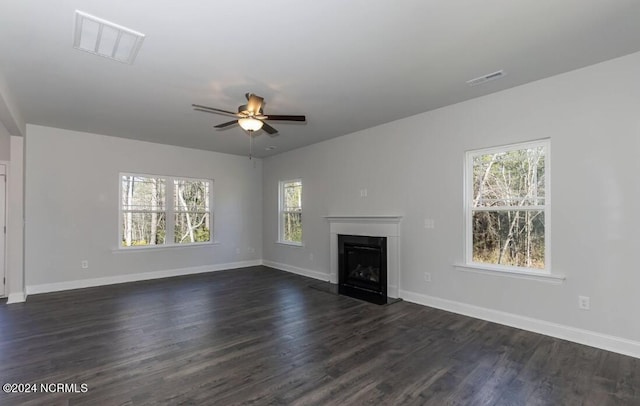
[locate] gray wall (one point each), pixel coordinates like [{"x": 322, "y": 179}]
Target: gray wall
[
  {"x": 414, "y": 167},
  {"x": 72, "y": 200},
  {"x": 5, "y": 143}
]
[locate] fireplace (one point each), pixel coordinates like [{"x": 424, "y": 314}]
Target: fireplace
[
  {"x": 376, "y": 226},
  {"x": 362, "y": 267}
]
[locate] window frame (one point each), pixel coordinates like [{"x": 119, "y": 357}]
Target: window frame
[
  {"x": 546, "y": 208},
  {"x": 169, "y": 212},
  {"x": 281, "y": 212}
]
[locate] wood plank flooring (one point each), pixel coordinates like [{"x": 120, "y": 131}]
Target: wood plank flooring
[{"x": 259, "y": 336}]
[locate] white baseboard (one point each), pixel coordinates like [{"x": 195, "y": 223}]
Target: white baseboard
[
  {"x": 112, "y": 280},
  {"x": 580, "y": 336},
  {"x": 298, "y": 271},
  {"x": 16, "y": 297}
]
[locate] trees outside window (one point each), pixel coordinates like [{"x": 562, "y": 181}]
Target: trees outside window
[
  {"x": 507, "y": 204},
  {"x": 162, "y": 210},
  {"x": 143, "y": 210},
  {"x": 291, "y": 211},
  {"x": 192, "y": 216}
]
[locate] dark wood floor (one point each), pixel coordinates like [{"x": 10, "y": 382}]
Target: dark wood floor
[{"x": 261, "y": 336}]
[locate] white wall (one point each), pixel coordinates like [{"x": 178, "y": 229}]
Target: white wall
[
  {"x": 72, "y": 199},
  {"x": 15, "y": 222},
  {"x": 11, "y": 150},
  {"x": 414, "y": 167}
]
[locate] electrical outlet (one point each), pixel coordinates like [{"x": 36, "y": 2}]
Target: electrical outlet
[
  {"x": 429, "y": 223},
  {"x": 363, "y": 192},
  {"x": 84, "y": 264},
  {"x": 584, "y": 302},
  {"x": 251, "y": 250},
  {"x": 427, "y": 277},
  {"x": 311, "y": 256}
]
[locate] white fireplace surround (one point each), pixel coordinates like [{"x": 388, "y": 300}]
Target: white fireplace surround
[{"x": 372, "y": 226}]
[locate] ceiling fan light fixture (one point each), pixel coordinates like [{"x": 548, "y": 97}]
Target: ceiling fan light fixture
[{"x": 250, "y": 124}]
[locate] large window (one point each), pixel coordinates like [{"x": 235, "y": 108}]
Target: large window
[
  {"x": 507, "y": 205},
  {"x": 163, "y": 210},
  {"x": 291, "y": 212}
]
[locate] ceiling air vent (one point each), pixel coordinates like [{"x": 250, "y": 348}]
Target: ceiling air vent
[
  {"x": 486, "y": 78},
  {"x": 104, "y": 38}
]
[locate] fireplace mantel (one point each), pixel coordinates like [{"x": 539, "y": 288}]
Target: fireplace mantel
[
  {"x": 364, "y": 219},
  {"x": 373, "y": 226}
]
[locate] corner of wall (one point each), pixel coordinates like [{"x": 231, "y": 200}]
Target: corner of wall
[
  {"x": 10, "y": 116},
  {"x": 15, "y": 222}
]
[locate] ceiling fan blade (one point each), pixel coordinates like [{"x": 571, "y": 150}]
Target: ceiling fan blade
[
  {"x": 254, "y": 104},
  {"x": 211, "y": 109},
  {"x": 285, "y": 117},
  {"x": 270, "y": 130},
  {"x": 227, "y": 124}
]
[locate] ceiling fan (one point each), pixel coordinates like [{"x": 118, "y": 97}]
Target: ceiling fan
[{"x": 250, "y": 116}]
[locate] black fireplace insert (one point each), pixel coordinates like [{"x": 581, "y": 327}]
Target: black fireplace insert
[{"x": 362, "y": 267}]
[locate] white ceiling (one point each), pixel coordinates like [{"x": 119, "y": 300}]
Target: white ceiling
[{"x": 346, "y": 64}]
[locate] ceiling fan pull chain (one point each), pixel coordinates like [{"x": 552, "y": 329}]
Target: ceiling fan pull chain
[{"x": 250, "y": 144}]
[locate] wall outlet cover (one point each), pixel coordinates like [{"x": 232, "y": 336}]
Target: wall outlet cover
[{"x": 584, "y": 302}]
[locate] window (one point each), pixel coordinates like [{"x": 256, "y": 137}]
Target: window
[
  {"x": 291, "y": 212},
  {"x": 507, "y": 207},
  {"x": 191, "y": 211},
  {"x": 163, "y": 210}
]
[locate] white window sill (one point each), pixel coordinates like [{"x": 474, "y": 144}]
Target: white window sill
[
  {"x": 162, "y": 247},
  {"x": 291, "y": 243},
  {"x": 511, "y": 273}
]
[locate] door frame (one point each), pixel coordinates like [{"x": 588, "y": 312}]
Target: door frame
[{"x": 4, "y": 172}]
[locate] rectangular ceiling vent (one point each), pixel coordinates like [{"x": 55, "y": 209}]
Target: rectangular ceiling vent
[
  {"x": 104, "y": 38},
  {"x": 486, "y": 78}
]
